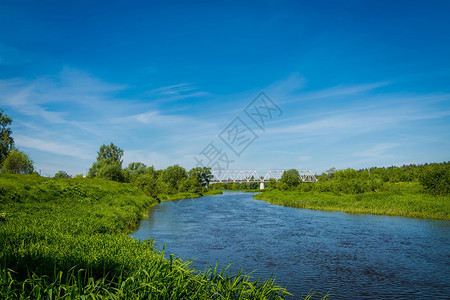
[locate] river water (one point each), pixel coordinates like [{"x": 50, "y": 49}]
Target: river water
[{"x": 347, "y": 256}]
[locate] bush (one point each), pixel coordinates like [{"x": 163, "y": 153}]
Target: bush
[
  {"x": 110, "y": 171},
  {"x": 17, "y": 162},
  {"x": 62, "y": 174},
  {"x": 291, "y": 178},
  {"x": 436, "y": 179}
]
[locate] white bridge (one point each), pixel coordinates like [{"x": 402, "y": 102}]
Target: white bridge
[{"x": 253, "y": 176}]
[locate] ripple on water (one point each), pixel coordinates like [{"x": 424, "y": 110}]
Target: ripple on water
[{"x": 350, "y": 256}]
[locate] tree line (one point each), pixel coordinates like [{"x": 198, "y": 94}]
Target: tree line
[
  {"x": 12, "y": 160},
  {"x": 434, "y": 178},
  {"x": 173, "y": 179}
]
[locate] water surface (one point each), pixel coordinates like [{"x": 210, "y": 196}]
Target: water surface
[{"x": 349, "y": 256}]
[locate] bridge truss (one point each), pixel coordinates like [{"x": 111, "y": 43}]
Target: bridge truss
[{"x": 253, "y": 176}]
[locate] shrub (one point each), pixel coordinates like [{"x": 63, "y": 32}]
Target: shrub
[
  {"x": 436, "y": 179},
  {"x": 62, "y": 174},
  {"x": 17, "y": 162}
]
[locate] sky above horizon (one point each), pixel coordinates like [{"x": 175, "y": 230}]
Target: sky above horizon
[{"x": 346, "y": 84}]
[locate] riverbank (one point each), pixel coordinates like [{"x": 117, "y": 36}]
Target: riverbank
[
  {"x": 180, "y": 196},
  {"x": 68, "y": 238},
  {"x": 407, "y": 200}
]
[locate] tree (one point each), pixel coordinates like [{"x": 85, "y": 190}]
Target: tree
[
  {"x": 62, "y": 174},
  {"x": 291, "y": 178},
  {"x": 436, "y": 179},
  {"x": 111, "y": 153},
  {"x": 6, "y": 141},
  {"x": 148, "y": 184},
  {"x": 109, "y": 170},
  {"x": 203, "y": 175},
  {"x": 134, "y": 170},
  {"x": 172, "y": 176},
  {"x": 17, "y": 162},
  {"x": 108, "y": 164},
  {"x": 190, "y": 184}
]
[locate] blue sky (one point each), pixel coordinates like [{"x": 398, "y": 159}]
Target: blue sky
[{"x": 357, "y": 83}]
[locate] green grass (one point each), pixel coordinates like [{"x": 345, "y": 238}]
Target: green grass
[
  {"x": 402, "y": 199},
  {"x": 68, "y": 239}
]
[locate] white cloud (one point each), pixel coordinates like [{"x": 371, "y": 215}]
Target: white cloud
[
  {"x": 71, "y": 88},
  {"x": 52, "y": 147},
  {"x": 154, "y": 117},
  {"x": 359, "y": 119},
  {"x": 344, "y": 90},
  {"x": 289, "y": 95},
  {"x": 376, "y": 151},
  {"x": 175, "y": 89},
  {"x": 175, "y": 92}
]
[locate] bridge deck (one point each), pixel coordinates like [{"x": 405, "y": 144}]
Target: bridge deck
[{"x": 229, "y": 176}]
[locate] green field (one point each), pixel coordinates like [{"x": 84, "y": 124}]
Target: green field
[
  {"x": 400, "y": 199},
  {"x": 68, "y": 238}
]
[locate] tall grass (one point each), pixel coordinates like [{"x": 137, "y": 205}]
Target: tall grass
[
  {"x": 68, "y": 239},
  {"x": 400, "y": 199}
]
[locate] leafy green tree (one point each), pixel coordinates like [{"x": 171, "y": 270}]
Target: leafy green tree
[
  {"x": 17, "y": 162},
  {"x": 436, "y": 179},
  {"x": 203, "y": 175},
  {"x": 162, "y": 187},
  {"x": 109, "y": 170},
  {"x": 108, "y": 164},
  {"x": 62, "y": 174},
  {"x": 147, "y": 183},
  {"x": 133, "y": 171},
  {"x": 190, "y": 184},
  {"x": 111, "y": 153},
  {"x": 150, "y": 170},
  {"x": 328, "y": 174},
  {"x": 173, "y": 176},
  {"x": 6, "y": 141},
  {"x": 291, "y": 178},
  {"x": 282, "y": 186},
  {"x": 272, "y": 184},
  {"x": 217, "y": 186},
  {"x": 346, "y": 174}
]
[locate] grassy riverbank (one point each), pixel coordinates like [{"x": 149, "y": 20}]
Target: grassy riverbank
[
  {"x": 401, "y": 199},
  {"x": 68, "y": 238},
  {"x": 180, "y": 196}
]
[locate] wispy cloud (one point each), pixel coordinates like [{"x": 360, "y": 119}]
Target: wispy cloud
[
  {"x": 175, "y": 92},
  {"x": 343, "y": 90},
  {"x": 154, "y": 117},
  {"x": 52, "y": 147},
  {"x": 360, "y": 118},
  {"x": 63, "y": 114},
  {"x": 289, "y": 91},
  {"x": 376, "y": 151},
  {"x": 71, "y": 89},
  {"x": 175, "y": 89}
]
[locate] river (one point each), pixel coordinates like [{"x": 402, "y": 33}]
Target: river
[{"x": 348, "y": 256}]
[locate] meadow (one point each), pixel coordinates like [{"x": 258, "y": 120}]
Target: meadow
[
  {"x": 69, "y": 239},
  {"x": 406, "y": 199}
]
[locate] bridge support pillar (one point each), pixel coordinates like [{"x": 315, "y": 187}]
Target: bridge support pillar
[{"x": 261, "y": 185}]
